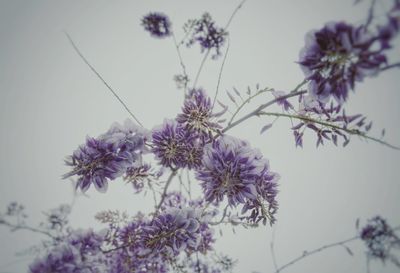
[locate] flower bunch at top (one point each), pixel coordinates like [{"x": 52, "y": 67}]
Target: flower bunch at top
[
  {"x": 108, "y": 156},
  {"x": 207, "y": 34},
  {"x": 337, "y": 56},
  {"x": 379, "y": 238},
  {"x": 157, "y": 24},
  {"x": 197, "y": 115},
  {"x": 233, "y": 169},
  {"x": 80, "y": 252}
]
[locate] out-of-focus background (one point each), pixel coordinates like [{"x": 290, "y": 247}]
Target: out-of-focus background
[{"x": 50, "y": 101}]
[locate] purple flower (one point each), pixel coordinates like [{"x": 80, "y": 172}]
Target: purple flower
[
  {"x": 207, "y": 34},
  {"x": 157, "y": 24},
  {"x": 176, "y": 147},
  {"x": 337, "y": 56},
  {"x": 80, "y": 252},
  {"x": 380, "y": 239},
  {"x": 197, "y": 116},
  {"x": 107, "y": 157},
  {"x": 233, "y": 169},
  {"x": 174, "y": 231}
]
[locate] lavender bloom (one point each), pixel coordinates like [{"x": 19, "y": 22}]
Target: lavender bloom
[
  {"x": 197, "y": 114},
  {"x": 380, "y": 239},
  {"x": 176, "y": 147},
  {"x": 157, "y": 24},
  {"x": 174, "y": 231},
  {"x": 337, "y": 56},
  {"x": 107, "y": 157},
  {"x": 207, "y": 34},
  {"x": 80, "y": 252},
  {"x": 232, "y": 168},
  {"x": 137, "y": 176}
]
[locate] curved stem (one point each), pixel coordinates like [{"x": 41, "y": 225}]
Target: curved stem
[
  {"x": 328, "y": 124},
  {"x": 257, "y": 111},
  {"x": 309, "y": 253},
  {"x": 100, "y": 77},
  {"x": 23, "y": 227},
  {"x": 220, "y": 75},
  {"x": 390, "y": 66},
  {"x": 201, "y": 68},
  {"x": 164, "y": 194}
]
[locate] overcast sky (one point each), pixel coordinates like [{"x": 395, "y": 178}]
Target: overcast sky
[{"x": 50, "y": 101}]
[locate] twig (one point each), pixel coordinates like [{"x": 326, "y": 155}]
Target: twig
[
  {"x": 222, "y": 218},
  {"x": 220, "y": 75},
  {"x": 262, "y": 107},
  {"x": 324, "y": 123},
  {"x": 23, "y": 227},
  {"x": 272, "y": 247},
  {"x": 164, "y": 194},
  {"x": 181, "y": 62},
  {"x": 201, "y": 68},
  {"x": 100, "y": 77},
  {"x": 309, "y": 253},
  {"x": 370, "y": 13},
  {"x": 234, "y": 13},
  {"x": 390, "y": 66}
]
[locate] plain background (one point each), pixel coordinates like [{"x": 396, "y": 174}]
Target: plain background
[{"x": 50, "y": 101}]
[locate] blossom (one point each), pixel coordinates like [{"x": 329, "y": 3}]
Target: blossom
[
  {"x": 176, "y": 147},
  {"x": 175, "y": 230},
  {"x": 80, "y": 252},
  {"x": 207, "y": 34},
  {"x": 379, "y": 238},
  {"x": 337, "y": 56},
  {"x": 157, "y": 24},
  {"x": 233, "y": 169},
  {"x": 107, "y": 157},
  {"x": 197, "y": 115}
]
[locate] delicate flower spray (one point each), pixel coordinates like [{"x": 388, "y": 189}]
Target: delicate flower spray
[{"x": 238, "y": 185}]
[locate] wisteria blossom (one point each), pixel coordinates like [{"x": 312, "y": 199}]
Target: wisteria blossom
[
  {"x": 157, "y": 24},
  {"x": 107, "y": 157},
  {"x": 337, "y": 56},
  {"x": 232, "y": 169}
]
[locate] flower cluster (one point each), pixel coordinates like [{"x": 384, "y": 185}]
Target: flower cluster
[
  {"x": 107, "y": 157},
  {"x": 207, "y": 34},
  {"x": 380, "y": 239},
  {"x": 157, "y": 24},
  {"x": 179, "y": 143},
  {"x": 80, "y": 252},
  {"x": 337, "y": 56},
  {"x": 233, "y": 169}
]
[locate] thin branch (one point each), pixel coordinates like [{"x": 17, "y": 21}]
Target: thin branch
[
  {"x": 220, "y": 75},
  {"x": 390, "y": 66},
  {"x": 272, "y": 247},
  {"x": 201, "y": 68},
  {"x": 370, "y": 13},
  {"x": 245, "y": 102},
  {"x": 234, "y": 13},
  {"x": 180, "y": 61},
  {"x": 24, "y": 227},
  {"x": 257, "y": 111},
  {"x": 164, "y": 194},
  {"x": 100, "y": 77},
  {"x": 312, "y": 252},
  {"x": 328, "y": 124},
  {"x": 222, "y": 218}
]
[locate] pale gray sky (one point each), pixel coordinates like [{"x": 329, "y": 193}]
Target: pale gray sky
[{"x": 50, "y": 101}]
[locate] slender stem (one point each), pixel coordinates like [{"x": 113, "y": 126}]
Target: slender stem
[
  {"x": 201, "y": 68},
  {"x": 390, "y": 66},
  {"x": 245, "y": 102},
  {"x": 234, "y": 13},
  {"x": 23, "y": 227},
  {"x": 309, "y": 253},
  {"x": 100, "y": 77},
  {"x": 164, "y": 194},
  {"x": 257, "y": 111},
  {"x": 272, "y": 247},
  {"x": 180, "y": 61},
  {"x": 328, "y": 124},
  {"x": 222, "y": 218},
  {"x": 220, "y": 75}
]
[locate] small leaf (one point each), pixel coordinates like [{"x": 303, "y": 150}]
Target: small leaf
[
  {"x": 383, "y": 132},
  {"x": 231, "y": 97},
  {"x": 236, "y": 91},
  {"x": 265, "y": 128},
  {"x": 348, "y": 250}
]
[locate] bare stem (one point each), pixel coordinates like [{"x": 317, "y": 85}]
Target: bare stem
[
  {"x": 257, "y": 111},
  {"x": 390, "y": 66},
  {"x": 330, "y": 125},
  {"x": 24, "y": 227},
  {"x": 312, "y": 252},
  {"x": 201, "y": 68},
  {"x": 164, "y": 194},
  {"x": 100, "y": 77},
  {"x": 180, "y": 61},
  {"x": 220, "y": 75}
]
